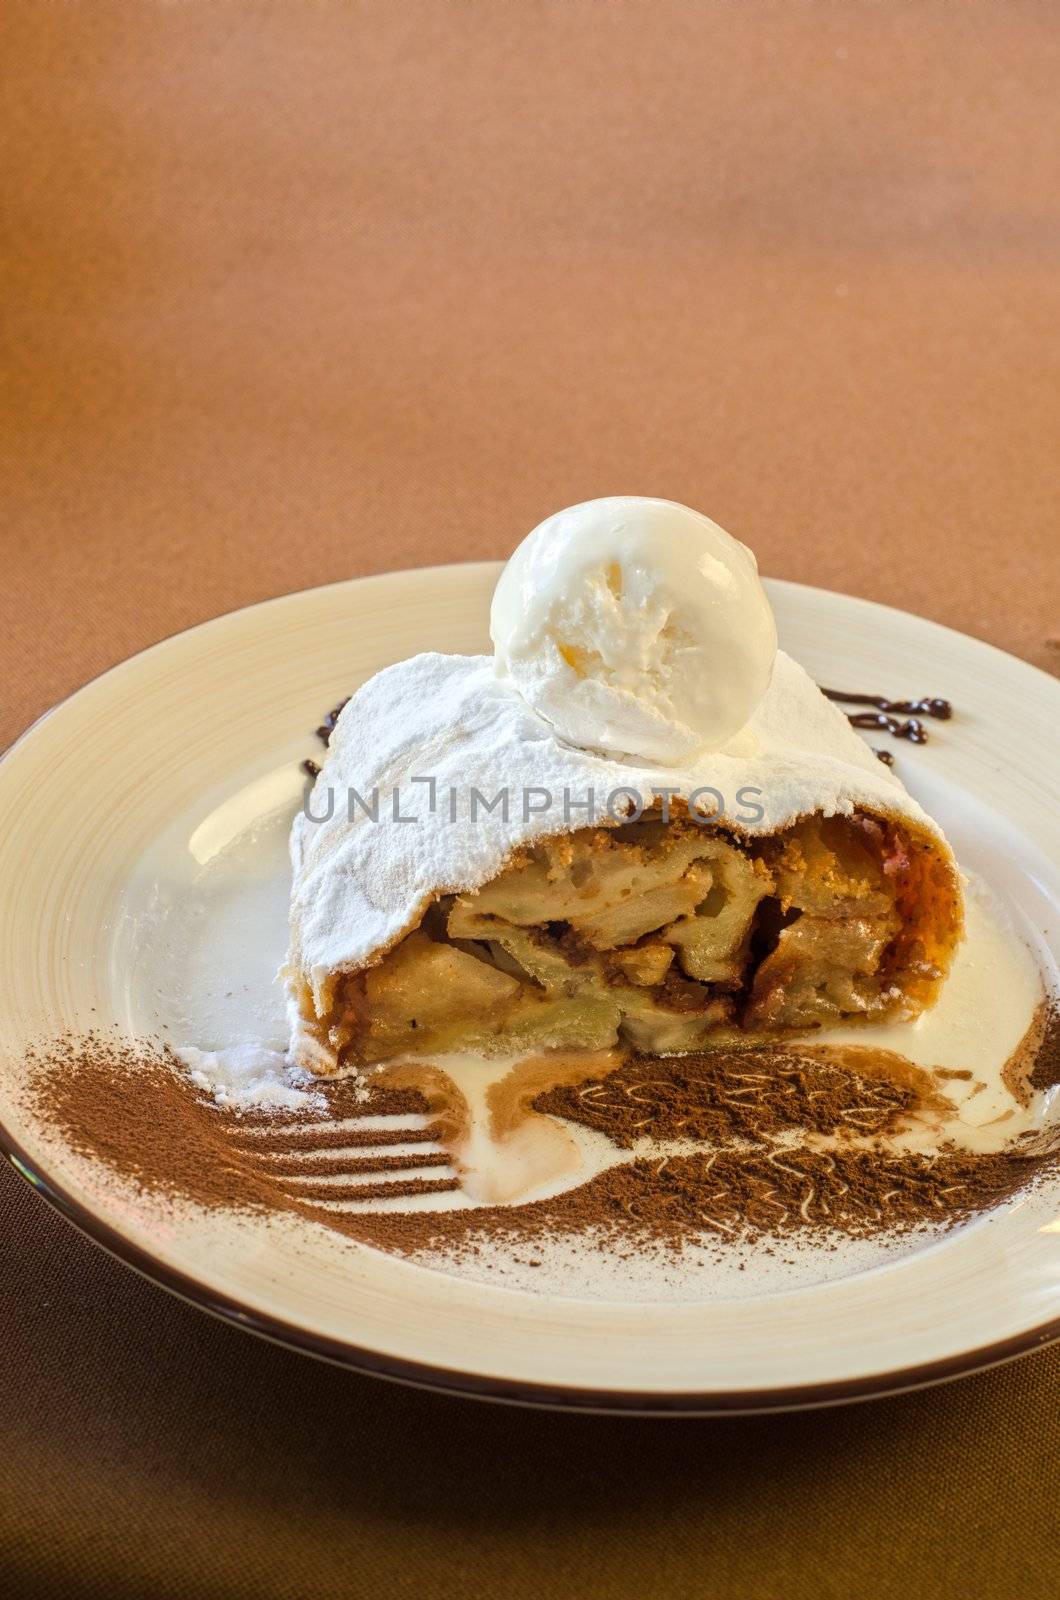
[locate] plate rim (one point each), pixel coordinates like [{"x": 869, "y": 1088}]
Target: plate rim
[
  {"x": 455, "y": 1381},
  {"x": 481, "y": 1386}
]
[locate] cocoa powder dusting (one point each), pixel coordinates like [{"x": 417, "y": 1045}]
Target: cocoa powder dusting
[
  {"x": 135, "y": 1110},
  {"x": 730, "y": 1195},
  {"x": 726, "y": 1094},
  {"x": 1045, "y": 1073}
]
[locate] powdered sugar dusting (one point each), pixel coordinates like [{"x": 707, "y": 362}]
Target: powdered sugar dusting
[{"x": 250, "y": 1077}]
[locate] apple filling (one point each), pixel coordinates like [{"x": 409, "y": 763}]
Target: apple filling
[{"x": 667, "y": 937}]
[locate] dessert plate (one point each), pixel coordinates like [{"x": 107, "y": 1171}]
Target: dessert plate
[{"x": 144, "y": 886}]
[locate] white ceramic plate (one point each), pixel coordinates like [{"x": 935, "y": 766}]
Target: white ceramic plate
[{"x": 138, "y": 813}]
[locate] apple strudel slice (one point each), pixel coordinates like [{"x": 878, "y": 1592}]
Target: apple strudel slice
[{"x": 466, "y": 880}]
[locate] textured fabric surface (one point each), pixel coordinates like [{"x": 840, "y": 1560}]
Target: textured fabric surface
[{"x": 299, "y": 291}]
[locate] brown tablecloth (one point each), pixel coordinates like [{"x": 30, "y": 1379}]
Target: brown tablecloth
[{"x": 298, "y": 291}]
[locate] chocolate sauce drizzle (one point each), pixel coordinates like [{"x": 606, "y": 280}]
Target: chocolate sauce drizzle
[
  {"x": 324, "y": 732},
  {"x": 927, "y": 706},
  {"x": 912, "y": 729}
]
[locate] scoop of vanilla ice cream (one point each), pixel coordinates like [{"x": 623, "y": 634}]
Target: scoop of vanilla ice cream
[{"x": 635, "y": 626}]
